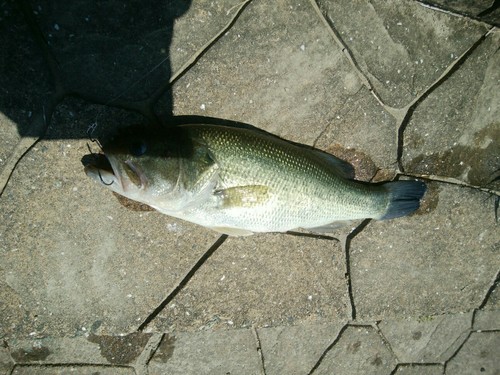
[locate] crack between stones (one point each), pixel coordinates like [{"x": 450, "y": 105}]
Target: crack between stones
[
  {"x": 491, "y": 9},
  {"x": 198, "y": 54},
  {"x": 182, "y": 283},
  {"x": 457, "y": 351},
  {"x": 142, "y": 362},
  {"x": 403, "y": 115},
  {"x": 334, "y": 342},
  {"x": 385, "y": 340},
  {"x": 259, "y": 350},
  {"x": 346, "y": 246},
  {"x": 325, "y": 352},
  {"x": 461, "y": 338},
  {"x": 345, "y": 50},
  {"x": 411, "y": 364},
  {"x": 490, "y": 290},
  {"x": 476, "y": 18}
]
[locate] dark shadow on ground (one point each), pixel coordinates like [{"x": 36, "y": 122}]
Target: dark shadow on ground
[{"x": 115, "y": 54}]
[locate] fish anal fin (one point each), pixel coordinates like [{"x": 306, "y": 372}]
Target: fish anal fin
[{"x": 243, "y": 196}]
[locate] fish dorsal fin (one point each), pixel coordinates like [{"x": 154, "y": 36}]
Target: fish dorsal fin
[
  {"x": 342, "y": 167},
  {"x": 236, "y": 232},
  {"x": 243, "y": 196}
]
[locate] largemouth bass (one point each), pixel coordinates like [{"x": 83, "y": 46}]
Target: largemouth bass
[{"x": 240, "y": 181}]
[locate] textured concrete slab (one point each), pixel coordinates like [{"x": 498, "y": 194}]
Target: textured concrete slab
[
  {"x": 217, "y": 352},
  {"x": 401, "y": 49},
  {"x": 401, "y": 89},
  {"x": 478, "y": 355},
  {"x": 231, "y": 289},
  {"x": 62, "y": 370},
  {"x": 420, "y": 369},
  {"x": 6, "y": 362},
  {"x": 295, "y": 349},
  {"x": 487, "y": 320},
  {"x": 445, "y": 140},
  {"x": 431, "y": 339},
  {"x": 359, "y": 350},
  {"x": 89, "y": 349},
  {"x": 427, "y": 264}
]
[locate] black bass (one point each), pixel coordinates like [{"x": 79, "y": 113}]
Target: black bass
[{"x": 239, "y": 181}]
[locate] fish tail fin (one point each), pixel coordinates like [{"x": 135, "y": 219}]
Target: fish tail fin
[{"x": 404, "y": 198}]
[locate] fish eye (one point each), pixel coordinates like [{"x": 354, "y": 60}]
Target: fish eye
[{"x": 138, "y": 148}]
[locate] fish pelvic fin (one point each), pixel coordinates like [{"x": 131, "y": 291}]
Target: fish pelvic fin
[{"x": 404, "y": 198}]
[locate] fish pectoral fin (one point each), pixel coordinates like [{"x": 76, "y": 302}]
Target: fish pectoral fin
[
  {"x": 236, "y": 232},
  {"x": 243, "y": 196},
  {"x": 331, "y": 226}
]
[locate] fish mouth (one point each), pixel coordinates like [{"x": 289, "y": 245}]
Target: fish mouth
[
  {"x": 99, "y": 168},
  {"x": 118, "y": 176}
]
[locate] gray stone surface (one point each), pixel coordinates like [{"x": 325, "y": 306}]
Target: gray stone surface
[
  {"x": 430, "y": 339},
  {"x": 420, "y": 369},
  {"x": 89, "y": 349},
  {"x": 63, "y": 370},
  {"x": 468, "y": 7},
  {"x": 446, "y": 141},
  {"x": 402, "y": 49},
  {"x": 89, "y": 284},
  {"x": 6, "y": 362},
  {"x": 487, "y": 320},
  {"x": 359, "y": 350},
  {"x": 217, "y": 352},
  {"x": 295, "y": 349},
  {"x": 232, "y": 288},
  {"x": 427, "y": 264},
  {"x": 478, "y": 355}
]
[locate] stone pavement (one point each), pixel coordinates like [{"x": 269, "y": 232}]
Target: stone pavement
[{"x": 397, "y": 88}]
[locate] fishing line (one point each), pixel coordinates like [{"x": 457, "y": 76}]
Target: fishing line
[{"x": 94, "y": 125}]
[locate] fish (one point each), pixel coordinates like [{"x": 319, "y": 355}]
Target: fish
[{"x": 240, "y": 181}]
